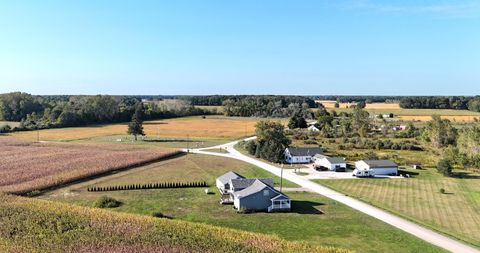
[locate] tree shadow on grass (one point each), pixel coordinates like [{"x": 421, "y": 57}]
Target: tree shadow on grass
[
  {"x": 305, "y": 207},
  {"x": 465, "y": 175}
]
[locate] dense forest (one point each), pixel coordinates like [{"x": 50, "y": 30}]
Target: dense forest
[
  {"x": 218, "y": 100},
  {"x": 39, "y": 112},
  {"x": 435, "y": 102}
]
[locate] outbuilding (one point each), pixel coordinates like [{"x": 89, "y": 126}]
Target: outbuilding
[
  {"x": 377, "y": 167},
  {"x": 331, "y": 163}
]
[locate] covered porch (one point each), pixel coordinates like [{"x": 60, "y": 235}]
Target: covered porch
[{"x": 280, "y": 203}]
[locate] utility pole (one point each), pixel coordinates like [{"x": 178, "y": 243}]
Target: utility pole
[
  {"x": 38, "y": 135},
  {"x": 281, "y": 178},
  {"x": 188, "y": 143}
]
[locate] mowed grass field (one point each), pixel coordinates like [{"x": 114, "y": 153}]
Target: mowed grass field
[
  {"x": 314, "y": 219},
  {"x": 456, "y": 213},
  {"x": 216, "y": 127}
]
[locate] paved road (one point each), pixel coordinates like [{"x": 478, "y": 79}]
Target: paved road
[{"x": 403, "y": 224}]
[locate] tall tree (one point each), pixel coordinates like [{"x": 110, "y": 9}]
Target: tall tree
[
  {"x": 439, "y": 132},
  {"x": 271, "y": 140},
  {"x": 135, "y": 127}
]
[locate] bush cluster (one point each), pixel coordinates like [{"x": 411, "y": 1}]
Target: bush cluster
[
  {"x": 107, "y": 202},
  {"x": 147, "y": 186},
  {"x": 355, "y": 143}
]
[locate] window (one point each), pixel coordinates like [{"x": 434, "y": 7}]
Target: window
[{"x": 266, "y": 192}]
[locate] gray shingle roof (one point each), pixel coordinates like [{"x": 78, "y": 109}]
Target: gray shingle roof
[
  {"x": 305, "y": 151},
  {"x": 380, "y": 163},
  {"x": 246, "y": 182},
  {"x": 336, "y": 159},
  {"x": 225, "y": 178},
  {"x": 255, "y": 187}
]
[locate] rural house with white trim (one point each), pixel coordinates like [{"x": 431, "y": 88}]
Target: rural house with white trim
[
  {"x": 257, "y": 194},
  {"x": 301, "y": 155}
]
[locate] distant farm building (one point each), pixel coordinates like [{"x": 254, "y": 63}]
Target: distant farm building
[
  {"x": 301, "y": 155},
  {"x": 313, "y": 128}
]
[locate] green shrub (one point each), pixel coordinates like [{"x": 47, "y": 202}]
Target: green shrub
[
  {"x": 106, "y": 202},
  {"x": 444, "y": 166},
  {"x": 442, "y": 191}
]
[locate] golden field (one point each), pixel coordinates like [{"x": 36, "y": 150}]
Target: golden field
[
  {"x": 330, "y": 104},
  {"x": 454, "y": 118},
  {"x": 218, "y": 127}
]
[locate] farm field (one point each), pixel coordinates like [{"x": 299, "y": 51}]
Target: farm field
[
  {"x": 28, "y": 166},
  {"x": 154, "y": 141},
  {"x": 12, "y": 124},
  {"x": 216, "y": 127},
  {"x": 315, "y": 219},
  {"x": 32, "y": 225},
  {"x": 456, "y": 213},
  {"x": 423, "y": 114},
  {"x": 330, "y": 104}
]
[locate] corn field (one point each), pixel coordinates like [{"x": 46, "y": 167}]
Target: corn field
[
  {"x": 27, "y": 166},
  {"x": 32, "y": 225}
]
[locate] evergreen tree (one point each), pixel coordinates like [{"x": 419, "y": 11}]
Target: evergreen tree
[{"x": 135, "y": 127}]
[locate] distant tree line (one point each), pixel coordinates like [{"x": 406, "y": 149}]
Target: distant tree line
[
  {"x": 268, "y": 106},
  {"x": 219, "y": 100},
  {"x": 40, "y": 112},
  {"x": 441, "y": 102},
  {"x": 367, "y": 99}
]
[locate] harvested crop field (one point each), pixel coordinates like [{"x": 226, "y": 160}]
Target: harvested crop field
[
  {"x": 216, "y": 127},
  {"x": 329, "y": 104},
  {"x": 454, "y": 118},
  {"x": 31, "y": 225},
  {"x": 27, "y": 166}
]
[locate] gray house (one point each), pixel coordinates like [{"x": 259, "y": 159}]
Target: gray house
[
  {"x": 260, "y": 197},
  {"x": 256, "y": 194}
]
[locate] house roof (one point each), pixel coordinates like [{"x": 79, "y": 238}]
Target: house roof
[
  {"x": 305, "y": 151},
  {"x": 336, "y": 159},
  {"x": 225, "y": 178},
  {"x": 246, "y": 182},
  {"x": 258, "y": 186},
  {"x": 320, "y": 156},
  {"x": 380, "y": 163}
]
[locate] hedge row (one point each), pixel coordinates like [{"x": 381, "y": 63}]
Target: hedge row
[{"x": 147, "y": 186}]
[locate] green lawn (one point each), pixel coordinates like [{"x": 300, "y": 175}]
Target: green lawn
[
  {"x": 314, "y": 218},
  {"x": 456, "y": 213},
  {"x": 158, "y": 142}
]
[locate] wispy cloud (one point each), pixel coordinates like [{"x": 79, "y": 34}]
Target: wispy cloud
[{"x": 450, "y": 8}]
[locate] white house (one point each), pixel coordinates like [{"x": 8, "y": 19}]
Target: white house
[
  {"x": 399, "y": 128},
  {"x": 301, "y": 155},
  {"x": 313, "y": 128},
  {"x": 331, "y": 163},
  {"x": 375, "y": 167}
]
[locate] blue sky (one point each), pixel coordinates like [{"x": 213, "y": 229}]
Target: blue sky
[{"x": 422, "y": 47}]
